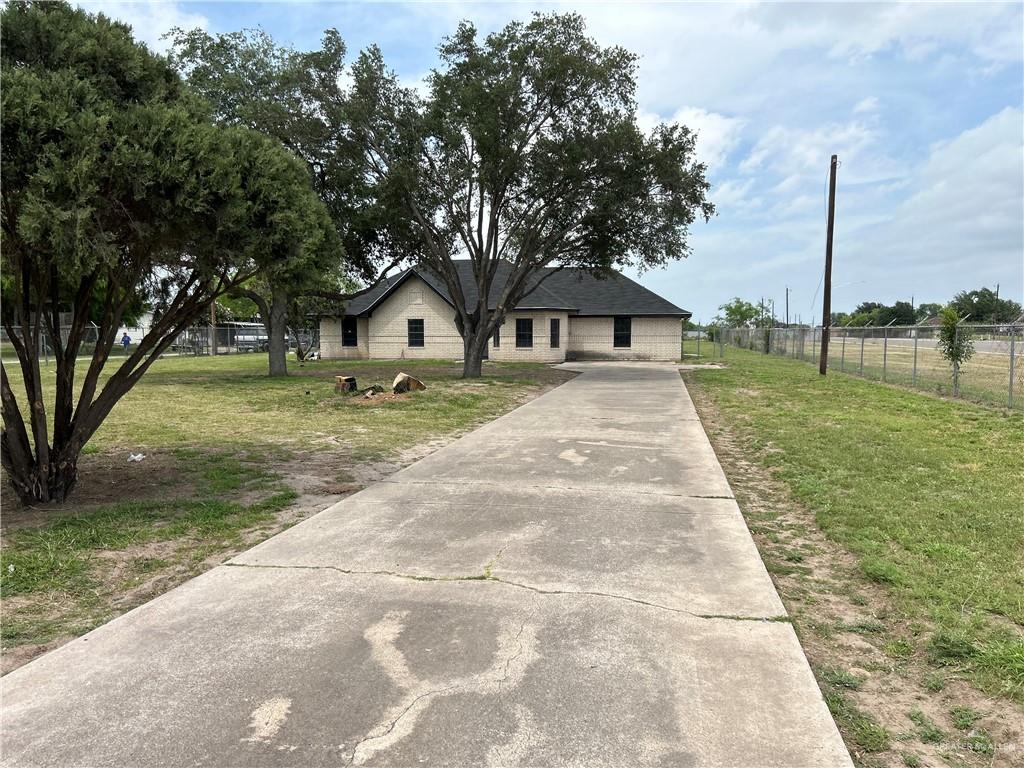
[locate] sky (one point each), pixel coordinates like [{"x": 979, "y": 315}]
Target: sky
[{"x": 922, "y": 102}]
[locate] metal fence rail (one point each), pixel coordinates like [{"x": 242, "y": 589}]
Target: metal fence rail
[
  {"x": 200, "y": 340},
  {"x": 907, "y": 355}
]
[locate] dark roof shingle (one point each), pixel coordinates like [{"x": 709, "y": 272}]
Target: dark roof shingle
[{"x": 574, "y": 290}]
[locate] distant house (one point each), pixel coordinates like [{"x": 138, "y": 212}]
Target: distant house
[{"x": 570, "y": 316}]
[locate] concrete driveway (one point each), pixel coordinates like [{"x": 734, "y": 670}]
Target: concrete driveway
[{"x": 570, "y": 585}]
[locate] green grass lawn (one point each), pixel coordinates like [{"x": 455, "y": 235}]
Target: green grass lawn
[
  {"x": 232, "y": 457},
  {"x": 229, "y": 402},
  {"x": 926, "y": 493}
]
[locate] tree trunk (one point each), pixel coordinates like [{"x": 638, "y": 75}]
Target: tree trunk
[
  {"x": 34, "y": 484},
  {"x": 277, "y": 330},
  {"x": 474, "y": 343}
]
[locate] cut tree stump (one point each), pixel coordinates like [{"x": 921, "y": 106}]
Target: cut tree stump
[
  {"x": 405, "y": 383},
  {"x": 344, "y": 383}
]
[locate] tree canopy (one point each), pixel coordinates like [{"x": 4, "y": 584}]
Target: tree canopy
[
  {"x": 297, "y": 98},
  {"x": 526, "y": 149},
  {"x": 738, "y": 313},
  {"x": 983, "y": 305},
  {"x": 118, "y": 189}
]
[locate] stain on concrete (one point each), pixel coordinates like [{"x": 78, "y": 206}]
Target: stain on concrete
[
  {"x": 517, "y": 649},
  {"x": 570, "y": 455},
  {"x": 267, "y": 719}
]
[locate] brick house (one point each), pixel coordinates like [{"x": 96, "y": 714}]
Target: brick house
[{"x": 570, "y": 316}]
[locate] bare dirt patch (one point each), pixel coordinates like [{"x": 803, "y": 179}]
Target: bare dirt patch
[
  {"x": 103, "y": 479},
  {"x": 894, "y": 706}
]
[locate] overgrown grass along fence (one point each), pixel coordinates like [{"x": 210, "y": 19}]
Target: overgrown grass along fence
[{"x": 907, "y": 355}]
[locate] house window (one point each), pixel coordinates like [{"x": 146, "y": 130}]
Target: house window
[
  {"x": 349, "y": 334},
  {"x": 415, "y": 333},
  {"x": 556, "y": 328},
  {"x": 497, "y": 337},
  {"x": 524, "y": 332},
  {"x": 623, "y": 332}
]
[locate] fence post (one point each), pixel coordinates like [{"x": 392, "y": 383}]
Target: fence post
[
  {"x": 842, "y": 356},
  {"x": 698, "y": 340},
  {"x": 814, "y": 343},
  {"x": 913, "y": 378},
  {"x": 885, "y": 351},
  {"x": 1013, "y": 349},
  {"x": 862, "y": 353}
]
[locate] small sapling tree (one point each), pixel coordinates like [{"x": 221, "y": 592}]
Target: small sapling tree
[{"x": 955, "y": 343}]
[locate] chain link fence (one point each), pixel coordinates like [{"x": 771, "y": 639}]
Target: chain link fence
[
  {"x": 197, "y": 341},
  {"x": 907, "y": 355}
]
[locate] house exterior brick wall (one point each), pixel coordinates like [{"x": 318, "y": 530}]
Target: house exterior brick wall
[
  {"x": 541, "y": 351},
  {"x": 384, "y": 334},
  {"x": 330, "y": 340},
  {"x": 653, "y": 338},
  {"x": 414, "y": 300}
]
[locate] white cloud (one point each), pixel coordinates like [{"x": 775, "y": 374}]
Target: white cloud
[
  {"x": 149, "y": 21},
  {"x": 800, "y": 154},
  {"x": 968, "y": 201},
  {"x": 866, "y": 105},
  {"x": 990, "y": 31},
  {"x": 717, "y": 134},
  {"x": 732, "y": 193}
]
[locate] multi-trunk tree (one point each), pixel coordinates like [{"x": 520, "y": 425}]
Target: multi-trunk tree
[
  {"x": 118, "y": 188},
  {"x": 526, "y": 149},
  {"x": 297, "y": 98}
]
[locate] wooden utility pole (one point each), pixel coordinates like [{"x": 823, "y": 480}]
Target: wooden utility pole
[
  {"x": 787, "y": 306},
  {"x": 826, "y": 302}
]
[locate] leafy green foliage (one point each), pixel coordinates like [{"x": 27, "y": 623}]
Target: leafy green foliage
[
  {"x": 983, "y": 305},
  {"x": 527, "y": 149},
  {"x": 296, "y": 97},
  {"x": 954, "y": 342},
  {"x": 118, "y": 189},
  {"x": 738, "y": 313},
  {"x": 927, "y": 310},
  {"x": 879, "y": 315}
]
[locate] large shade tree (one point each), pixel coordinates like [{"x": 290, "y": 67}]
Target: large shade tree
[
  {"x": 117, "y": 188},
  {"x": 984, "y": 305},
  {"x": 526, "y": 148},
  {"x": 297, "y": 98}
]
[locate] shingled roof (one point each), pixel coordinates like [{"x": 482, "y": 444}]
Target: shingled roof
[{"x": 570, "y": 290}]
